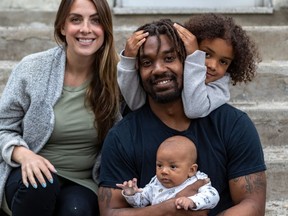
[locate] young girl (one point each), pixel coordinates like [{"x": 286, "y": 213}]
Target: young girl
[{"x": 230, "y": 54}]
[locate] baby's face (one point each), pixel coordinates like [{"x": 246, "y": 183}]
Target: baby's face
[
  {"x": 219, "y": 55},
  {"x": 172, "y": 169}
]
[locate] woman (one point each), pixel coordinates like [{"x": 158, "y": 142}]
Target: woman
[{"x": 55, "y": 111}]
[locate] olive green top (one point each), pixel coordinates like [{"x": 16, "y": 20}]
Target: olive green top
[{"x": 71, "y": 147}]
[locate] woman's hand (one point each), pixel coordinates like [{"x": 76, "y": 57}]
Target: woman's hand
[{"x": 33, "y": 166}]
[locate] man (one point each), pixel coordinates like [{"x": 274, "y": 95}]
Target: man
[{"x": 227, "y": 142}]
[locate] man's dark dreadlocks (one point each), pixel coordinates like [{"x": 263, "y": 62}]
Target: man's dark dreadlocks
[{"x": 165, "y": 27}]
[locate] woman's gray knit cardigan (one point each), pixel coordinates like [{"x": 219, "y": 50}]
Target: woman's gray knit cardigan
[{"x": 26, "y": 106}]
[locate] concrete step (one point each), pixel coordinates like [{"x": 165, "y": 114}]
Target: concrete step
[
  {"x": 277, "y": 208},
  {"x": 270, "y": 84},
  {"x": 18, "y": 41},
  {"x": 21, "y": 15},
  {"x": 5, "y": 70},
  {"x": 277, "y": 175},
  {"x": 272, "y": 41},
  {"x": 270, "y": 119}
]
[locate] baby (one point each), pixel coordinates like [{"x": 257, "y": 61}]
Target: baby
[{"x": 176, "y": 168}]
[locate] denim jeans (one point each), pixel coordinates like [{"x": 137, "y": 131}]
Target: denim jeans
[{"x": 65, "y": 199}]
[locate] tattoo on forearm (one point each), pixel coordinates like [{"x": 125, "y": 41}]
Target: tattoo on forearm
[
  {"x": 252, "y": 183},
  {"x": 105, "y": 194},
  {"x": 249, "y": 186}
]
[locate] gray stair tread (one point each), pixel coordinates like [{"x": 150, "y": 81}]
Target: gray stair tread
[
  {"x": 42, "y": 33},
  {"x": 277, "y": 165},
  {"x": 130, "y": 28},
  {"x": 10, "y": 16},
  {"x": 276, "y": 208},
  {"x": 7, "y": 64},
  {"x": 276, "y": 154},
  {"x": 265, "y": 67},
  {"x": 261, "y": 105}
]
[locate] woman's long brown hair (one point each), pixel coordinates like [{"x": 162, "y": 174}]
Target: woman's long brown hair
[{"x": 102, "y": 94}]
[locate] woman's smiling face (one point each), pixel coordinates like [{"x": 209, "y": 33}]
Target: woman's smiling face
[{"x": 84, "y": 34}]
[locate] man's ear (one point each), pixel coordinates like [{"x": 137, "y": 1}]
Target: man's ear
[{"x": 193, "y": 169}]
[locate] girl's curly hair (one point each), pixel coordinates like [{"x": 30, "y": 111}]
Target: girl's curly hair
[{"x": 246, "y": 56}]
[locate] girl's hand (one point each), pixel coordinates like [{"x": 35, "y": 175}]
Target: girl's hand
[
  {"x": 33, "y": 166},
  {"x": 189, "y": 40},
  {"x": 129, "y": 187},
  {"x": 134, "y": 42}
]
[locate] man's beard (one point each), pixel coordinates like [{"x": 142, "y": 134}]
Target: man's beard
[{"x": 166, "y": 96}]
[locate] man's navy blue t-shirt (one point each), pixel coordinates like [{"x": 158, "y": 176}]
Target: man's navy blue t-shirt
[{"x": 227, "y": 142}]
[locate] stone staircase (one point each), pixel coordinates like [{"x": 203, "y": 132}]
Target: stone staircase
[{"x": 24, "y": 31}]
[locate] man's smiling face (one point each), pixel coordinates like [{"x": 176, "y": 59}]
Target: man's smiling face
[{"x": 161, "y": 70}]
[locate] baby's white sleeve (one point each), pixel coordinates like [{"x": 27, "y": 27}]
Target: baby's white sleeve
[{"x": 206, "y": 198}]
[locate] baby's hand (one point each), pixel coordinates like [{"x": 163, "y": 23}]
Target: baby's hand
[
  {"x": 129, "y": 187},
  {"x": 134, "y": 42},
  {"x": 184, "y": 203},
  {"x": 189, "y": 40}
]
